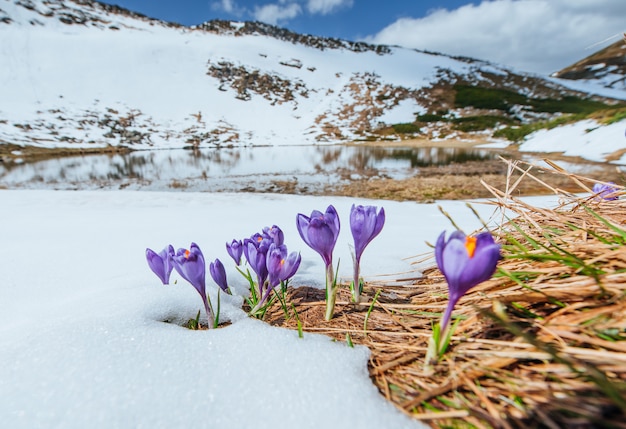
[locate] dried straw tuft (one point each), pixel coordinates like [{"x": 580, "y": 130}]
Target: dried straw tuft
[{"x": 541, "y": 344}]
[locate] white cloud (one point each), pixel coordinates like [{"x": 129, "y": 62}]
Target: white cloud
[
  {"x": 540, "y": 36},
  {"x": 228, "y": 6},
  {"x": 324, "y": 7},
  {"x": 275, "y": 12}
]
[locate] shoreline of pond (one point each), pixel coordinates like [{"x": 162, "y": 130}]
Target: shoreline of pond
[{"x": 440, "y": 176}]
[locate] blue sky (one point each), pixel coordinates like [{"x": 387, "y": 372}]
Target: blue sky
[
  {"x": 345, "y": 19},
  {"x": 539, "y": 36}
]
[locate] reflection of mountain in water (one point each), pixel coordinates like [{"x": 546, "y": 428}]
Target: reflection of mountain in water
[
  {"x": 228, "y": 169},
  {"x": 434, "y": 156}
]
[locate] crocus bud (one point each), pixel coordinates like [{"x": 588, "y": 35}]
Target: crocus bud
[
  {"x": 218, "y": 273},
  {"x": 365, "y": 224}
]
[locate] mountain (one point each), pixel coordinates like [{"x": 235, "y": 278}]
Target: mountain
[
  {"x": 82, "y": 74},
  {"x": 607, "y": 66}
]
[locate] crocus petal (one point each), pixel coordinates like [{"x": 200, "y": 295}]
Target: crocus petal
[
  {"x": 483, "y": 263},
  {"x": 235, "y": 250},
  {"x": 332, "y": 219},
  {"x": 274, "y": 261},
  {"x": 455, "y": 262},
  {"x": 291, "y": 265},
  {"x": 451, "y": 255},
  {"x": 256, "y": 260},
  {"x": 439, "y": 246},
  {"x": 161, "y": 263},
  {"x": 302, "y": 224}
]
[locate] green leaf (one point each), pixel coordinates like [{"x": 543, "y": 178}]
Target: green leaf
[
  {"x": 369, "y": 311},
  {"x": 349, "y": 340}
]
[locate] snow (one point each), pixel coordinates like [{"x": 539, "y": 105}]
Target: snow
[
  {"x": 404, "y": 112},
  {"x": 587, "y": 139},
  {"x": 82, "y": 325}
]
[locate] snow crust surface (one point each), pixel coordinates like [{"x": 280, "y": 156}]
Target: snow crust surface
[{"x": 90, "y": 338}]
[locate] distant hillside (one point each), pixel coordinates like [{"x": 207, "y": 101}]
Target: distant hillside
[
  {"x": 82, "y": 74},
  {"x": 607, "y": 66}
]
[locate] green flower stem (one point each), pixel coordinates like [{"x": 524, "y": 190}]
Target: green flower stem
[
  {"x": 209, "y": 313},
  {"x": 331, "y": 292},
  {"x": 356, "y": 286}
]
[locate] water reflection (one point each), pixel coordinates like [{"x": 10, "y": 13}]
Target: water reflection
[{"x": 231, "y": 169}]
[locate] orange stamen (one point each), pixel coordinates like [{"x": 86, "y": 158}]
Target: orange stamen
[
  {"x": 470, "y": 245},
  {"x": 187, "y": 253}
]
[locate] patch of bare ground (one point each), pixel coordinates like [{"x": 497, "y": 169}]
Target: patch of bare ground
[{"x": 540, "y": 345}]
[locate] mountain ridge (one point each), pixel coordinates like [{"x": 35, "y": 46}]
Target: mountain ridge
[{"x": 608, "y": 65}]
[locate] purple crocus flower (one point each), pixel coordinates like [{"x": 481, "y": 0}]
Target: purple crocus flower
[
  {"x": 256, "y": 251},
  {"x": 235, "y": 250},
  {"x": 465, "y": 261},
  {"x": 320, "y": 232},
  {"x": 191, "y": 266},
  {"x": 161, "y": 263},
  {"x": 260, "y": 241},
  {"x": 275, "y": 234},
  {"x": 365, "y": 224},
  {"x": 606, "y": 191},
  {"x": 218, "y": 273},
  {"x": 281, "y": 265},
  {"x": 290, "y": 266},
  {"x": 274, "y": 261}
]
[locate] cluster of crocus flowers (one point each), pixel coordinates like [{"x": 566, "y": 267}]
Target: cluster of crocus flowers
[
  {"x": 320, "y": 231},
  {"x": 190, "y": 264},
  {"x": 269, "y": 259},
  {"x": 607, "y": 191},
  {"x": 465, "y": 261},
  {"x": 365, "y": 224},
  {"x": 267, "y": 255}
]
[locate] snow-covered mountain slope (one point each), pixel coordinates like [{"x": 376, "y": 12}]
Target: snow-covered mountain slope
[{"x": 77, "y": 73}]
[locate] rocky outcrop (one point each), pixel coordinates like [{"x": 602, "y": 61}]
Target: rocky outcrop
[
  {"x": 245, "y": 82},
  {"x": 262, "y": 29}
]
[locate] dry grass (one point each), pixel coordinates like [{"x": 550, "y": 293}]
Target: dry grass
[{"x": 540, "y": 345}]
